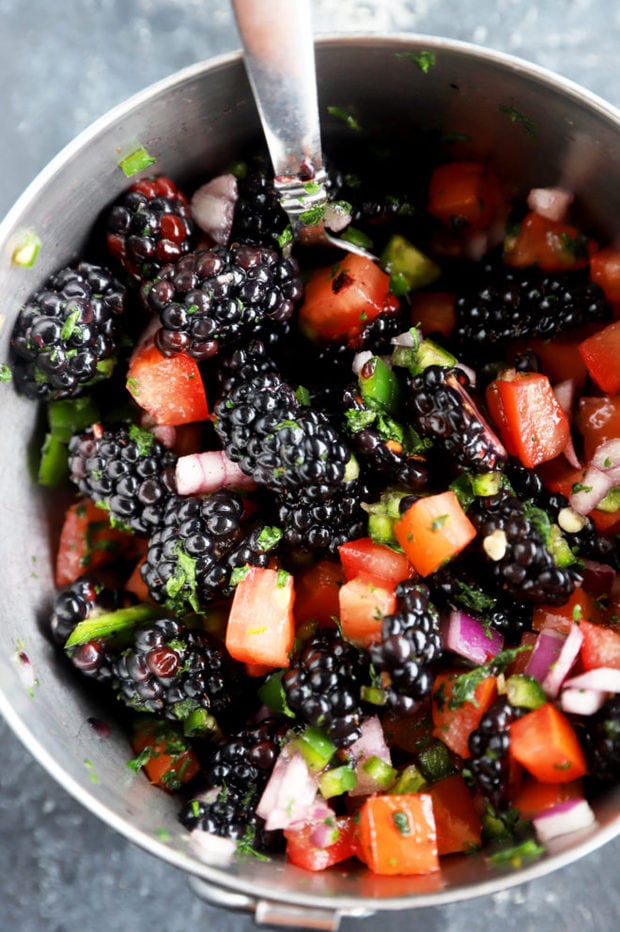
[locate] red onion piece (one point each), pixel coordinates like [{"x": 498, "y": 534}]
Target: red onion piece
[
  {"x": 325, "y": 833},
  {"x": 552, "y": 203},
  {"x": 290, "y": 794},
  {"x": 212, "y": 849},
  {"x": 560, "y": 668},
  {"x": 336, "y": 217},
  {"x": 469, "y": 638},
  {"x": 594, "y": 487},
  {"x": 165, "y": 433},
  {"x": 371, "y": 744},
  {"x": 201, "y": 473},
  {"x": 569, "y": 816},
  {"x": 545, "y": 652},
  {"x": 582, "y": 701},
  {"x": 598, "y": 578},
  {"x": 606, "y": 457},
  {"x": 605, "y": 679},
  {"x": 566, "y": 392},
  {"x": 359, "y": 361},
  {"x": 213, "y": 207},
  {"x": 403, "y": 339}
]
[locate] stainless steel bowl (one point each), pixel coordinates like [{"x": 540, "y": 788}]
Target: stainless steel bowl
[{"x": 534, "y": 129}]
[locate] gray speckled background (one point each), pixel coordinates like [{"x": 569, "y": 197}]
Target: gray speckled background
[{"x": 61, "y": 66}]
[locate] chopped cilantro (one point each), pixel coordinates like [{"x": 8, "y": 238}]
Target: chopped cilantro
[
  {"x": 181, "y": 587},
  {"x": 285, "y": 237},
  {"x": 282, "y": 579},
  {"x": 269, "y": 537},
  {"x": 312, "y": 216},
  {"x": 439, "y": 522},
  {"x": 347, "y": 118},
  {"x": 26, "y": 250},
  {"x": 239, "y": 573},
  {"x": 144, "y": 439},
  {"x": 140, "y": 760},
  {"x": 133, "y": 386},
  {"x": 516, "y": 854},
  {"x": 580, "y": 487},
  {"x": 424, "y": 60},
  {"x": 465, "y": 684},
  {"x": 401, "y": 821},
  {"x": 515, "y": 116}
]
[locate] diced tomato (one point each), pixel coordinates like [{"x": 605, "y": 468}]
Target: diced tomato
[
  {"x": 316, "y": 593},
  {"x": 397, "y": 834},
  {"x": 457, "y": 821},
  {"x": 453, "y": 725},
  {"x": 87, "y": 541},
  {"x": 605, "y": 271},
  {"x": 559, "y": 476},
  {"x": 169, "y": 388},
  {"x": 559, "y": 357},
  {"x": 535, "y": 797},
  {"x": 601, "y": 645},
  {"x": 301, "y": 850},
  {"x": 597, "y": 419},
  {"x": 376, "y": 562},
  {"x": 169, "y": 760},
  {"x": 519, "y": 664},
  {"x": 601, "y": 353},
  {"x": 136, "y": 584},
  {"x": 434, "y": 529},
  {"x": 340, "y": 300},
  {"x": 551, "y": 245},
  {"x": 362, "y": 605},
  {"x": 464, "y": 194},
  {"x": 261, "y": 628},
  {"x": 529, "y": 417},
  {"x": 544, "y": 742},
  {"x": 562, "y": 617},
  {"x": 433, "y": 312}
]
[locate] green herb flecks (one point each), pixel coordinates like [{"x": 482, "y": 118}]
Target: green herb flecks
[
  {"x": 401, "y": 821},
  {"x": 182, "y": 587},
  {"x": 465, "y": 684},
  {"x": 424, "y": 60},
  {"x": 515, "y": 855},
  {"x": 515, "y": 116},
  {"x": 269, "y": 538},
  {"x": 347, "y": 118},
  {"x": 69, "y": 327},
  {"x": 136, "y": 162},
  {"x": 312, "y": 216},
  {"x": 285, "y": 237},
  {"x": 239, "y": 573},
  {"x": 5, "y": 373},
  {"x": 141, "y": 760},
  {"x": 144, "y": 439}
]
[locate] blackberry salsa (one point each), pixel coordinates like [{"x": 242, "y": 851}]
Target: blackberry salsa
[{"x": 340, "y": 537}]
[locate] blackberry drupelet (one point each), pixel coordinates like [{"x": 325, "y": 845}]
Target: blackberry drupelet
[
  {"x": 66, "y": 334},
  {"x": 488, "y": 746},
  {"x": 507, "y": 304},
  {"x": 603, "y": 742},
  {"x": 200, "y": 541},
  {"x": 410, "y": 642},
  {"x": 318, "y": 519},
  {"x": 442, "y": 410},
  {"x": 127, "y": 471},
  {"x": 218, "y": 298},
  {"x": 245, "y": 760},
  {"x": 244, "y": 364},
  {"x": 282, "y": 444},
  {"x": 173, "y": 671},
  {"x": 516, "y": 553},
  {"x": 322, "y": 686},
  {"x": 149, "y": 227}
]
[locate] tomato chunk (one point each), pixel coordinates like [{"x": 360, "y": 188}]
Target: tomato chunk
[
  {"x": 169, "y": 388},
  {"x": 397, "y": 834},
  {"x": 316, "y": 593},
  {"x": 362, "y": 607},
  {"x": 457, "y": 821},
  {"x": 597, "y": 419},
  {"x": 601, "y": 353},
  {"x": 535, "y": 797},
  {"x": 544, "y": 742},
  {"x": 87, "y": 541},
  {"x": 434, "y": 529},
  {"x": 302, "y": 851},
  {"x": 261, "y": 627},
  {"x": 166, "y": 756},
  {"x": 605, "y": 271},
  {"x": 374, "y": 561},
  {"x": 453, "y": 721},
  {"x": 463, "y": 194},
  {"x": 579, "y": 606},
  {"x": 551, "y": 245},
  {"x": 433, "y": 312},
  {"x": 529, "y": 417},
  {"x": 601, "y": 645}
]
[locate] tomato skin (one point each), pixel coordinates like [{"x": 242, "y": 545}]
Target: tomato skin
[
  {"x": 169, "y": 388},
  {"x": 601, "y": 645},
  {"x": 373, "y": 561},
  {"x": 316, "y": 593},
  {"x": 362, "y": 605},
  {"x": 454, "y": 726},
  {"x": 544, "y": 742},
  {"x": 87, "y": 541},
  {"x": 549, "y": 244},
  {"x": 171, "y": 763},
  {"x": 397, "y": 834},
  {"x": 530, "y": 420},
  {"x": 562, "y": 617},
  {"x": 456, "y": 819},
  {"x": 597, "y": 419},
  {"x": 463, "y": 194},
  {"x": 534, "y": 797},
  {"x": 601, "y": 352},
  {"x": 301, "y": 851},
  {"x": 339, "y": 301},
  {"x": 434, "y": 529},
  {"x": 261, "y": 627},
  {"x": 605, "y": 271},
  {"x": 559, "y": 357}
]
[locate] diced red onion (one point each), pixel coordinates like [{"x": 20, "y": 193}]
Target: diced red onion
[
  {"x": 594, "y": 487},
  {"x": 560, "y": 668},
  {"x": 545, "y": 652},
  {"x": 360, "y": 360},
  {"x": 469, "y": 638},
  {"x": 566, "y": 392},
  {"x": 290, "y": 794},
  {"x": 324, "y": 835},
  {"x": 605, "y": 679},
  {"x": 371, "y": 744},
  {"x": 213, "y": 207},
  {"x": 201, "y": 473},
  {"x": 606, "y": 457},
  {"x": 212, "y": 849},
  {"x": 470, "y": 373},
  {"x": 165, "y": 433},
  {"x": 336, "y": 217},
  {"x": 551, "y": 203},
  {"x": 598, "y": 578},
  {"x": 405, "y": 339},
  {"x": 569, "y": 816},
  {"x": 582, "y": 701}
]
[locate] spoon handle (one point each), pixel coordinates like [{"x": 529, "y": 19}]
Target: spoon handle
[{"x": 278, "y": 46}]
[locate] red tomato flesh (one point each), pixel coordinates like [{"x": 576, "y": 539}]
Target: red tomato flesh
[
  {"x": 544, "y": 742},
  {"x": 261, "y": 628},
  {"x": 362, "y": 605},
  {"x": 169, "y": 388},
  {"x": 601, "y": 353},
  {"x": 373, "y": 561},
  {"x": 434, "y": 529},
  {"x": 301, "y": 851},
  {"x": 397, "y": 834}
]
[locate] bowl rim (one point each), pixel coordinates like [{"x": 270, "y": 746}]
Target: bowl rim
[{"x": 218, "y": 877}]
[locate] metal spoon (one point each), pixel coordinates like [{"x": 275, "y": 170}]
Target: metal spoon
[{"x": 278, "y": 46}]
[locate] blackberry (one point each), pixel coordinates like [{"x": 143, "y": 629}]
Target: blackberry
[
  {"x": 126, "y": 470},
  {"x": 149, "y": 227},
  {"x": 517, "y": 556},
  {"x": 200, "y": 541},
  {"x": 217, "y": 298},
  {"x": 603, "y": 742},
  {"x": 227, "y": 814},
  {"x": 282, "y": 444},
  {"x": 506, "y": 304},
  {"x": 66, "y": 334},
  {"x": 258, "y": 216},
  {"x": 488, "y": 746},
  {"x": 244, "y": 364},
  {"x": 442, "y": 409},
  {"x": 319, "y": 519},
  {"x": 410, "y": 642},
  {"x": 322, "y": 686},
  {"x": 173, "y": 671},
  {"x": 245, "y": 760}
]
